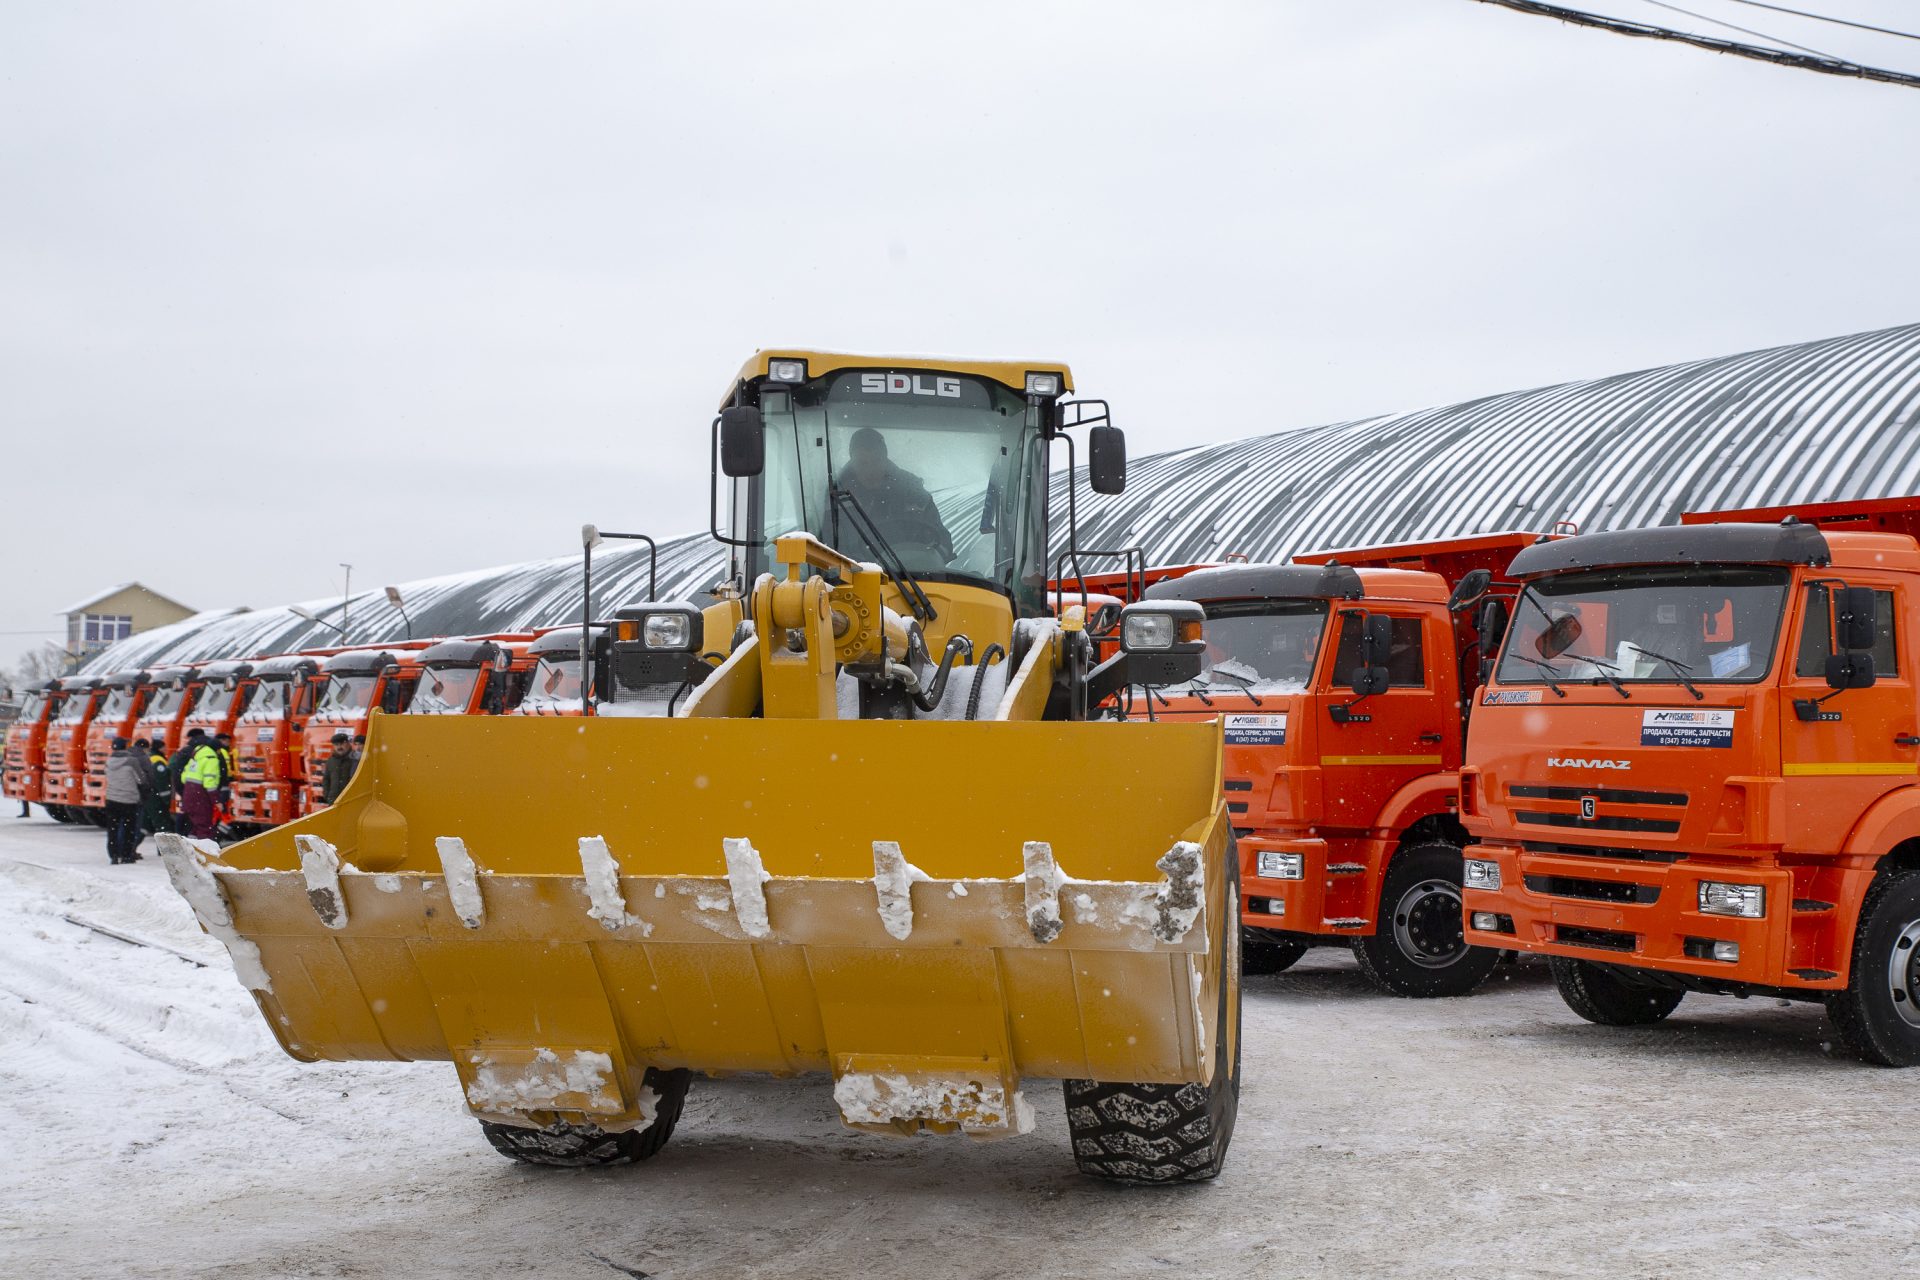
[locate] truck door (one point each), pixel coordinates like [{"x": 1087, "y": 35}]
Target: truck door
[
  {"x": 1389, "y": 739},
  {"x": 1866, "y": 742}
]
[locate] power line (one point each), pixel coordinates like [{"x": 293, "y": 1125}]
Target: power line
[
  {"x": 1745, "y": 31},
  {"x": 1824, "y": 17},
  {"x": 1780, "y": 57}
]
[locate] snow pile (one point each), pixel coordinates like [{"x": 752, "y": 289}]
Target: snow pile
[
  {"x": 320, "y": 867},
  {"x": 192, "y": 877},
  {"x": 748, "y": 879},
  {"x": 1043, "y": 879},
  {"x": 550, "y": 1081},
  {"x": 978, "y": 1106},
  {"x": 608, "y": 904},
  {"x": 463, "y": 880},
  {"x": 893, "y": 881}
]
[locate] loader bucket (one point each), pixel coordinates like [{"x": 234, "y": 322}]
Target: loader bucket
[{"x": 929, "y": 911}]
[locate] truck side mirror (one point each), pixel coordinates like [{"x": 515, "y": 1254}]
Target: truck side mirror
[
  {"x": 1492, "y": 626},
  {"x": 1469, "y": 589},
  {"x": 743, "y": 441},
  {"x": 1559, "y": 636},
  {"x": 1853, "y": 622},
  {"x": 1850, "y": 670},
  {"x": 1376, "y": 641},
  {"x": 1107, "y": 459}
]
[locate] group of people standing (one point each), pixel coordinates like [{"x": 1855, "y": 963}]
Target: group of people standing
[{"x": 142, "y": 781}]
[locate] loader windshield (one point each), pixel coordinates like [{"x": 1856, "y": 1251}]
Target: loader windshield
[
  {"x": 1656, "y": 625},
  {"x": 1265, "y": 646},
  {"x": 943, "y": 470},
  {"x": 447, "y": 691}
]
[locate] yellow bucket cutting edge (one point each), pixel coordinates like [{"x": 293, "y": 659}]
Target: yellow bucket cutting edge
[{"x": 930, "y": 911}]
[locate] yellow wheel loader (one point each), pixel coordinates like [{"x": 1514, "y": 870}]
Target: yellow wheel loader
[{"x": 869, "y": 813}]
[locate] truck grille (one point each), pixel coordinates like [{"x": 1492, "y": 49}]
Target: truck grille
[
  {"x": 1593, "y": 890},
  {"x": 1603, "y": 851},
  {"x": 1599, "y": 822},
  {"x": 1607, "y": 795},
  {"x": 1605, "y": 939}
]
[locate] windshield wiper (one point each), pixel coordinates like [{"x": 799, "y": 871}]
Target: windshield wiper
[
  {"x": 1547, "y": 672},
  {"x": 1605, "y": 668},
  {"x": 1193, "y": 687},
  {"x": 1248, "y": 690},
  {"x": 896, "y": 569},
  {"x": 1680, "y": 670}
]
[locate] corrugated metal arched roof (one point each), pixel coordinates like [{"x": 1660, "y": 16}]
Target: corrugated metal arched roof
[{"x": 1815, "y": 421}]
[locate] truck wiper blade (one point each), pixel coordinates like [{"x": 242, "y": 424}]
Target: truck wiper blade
[
  {"x": 1248, "y": 690},
  {"x": 896, "y": 568},
  {"x": 1680, "y": 669},
  {"x": 1605, "y": 668},
  {"x": 1193, "y": 687},
  {"x": 1547, "y": 672}
]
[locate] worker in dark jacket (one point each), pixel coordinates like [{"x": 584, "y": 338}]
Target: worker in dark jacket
[
  {"x": 160, "y": 798},
  {"x": 338, "y": 771},
  {"x": 126, "y": 786}
]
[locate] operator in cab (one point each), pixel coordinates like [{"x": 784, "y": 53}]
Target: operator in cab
[{"x": 896, "y": 501}]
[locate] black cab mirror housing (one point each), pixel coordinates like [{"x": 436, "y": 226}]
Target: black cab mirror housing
[
  {"x": 1469, "y": 589},
  {"x": 1107, "y": 459},
  {"x": 1853, "y": 621},
  {"x": 743, "y": 441}
]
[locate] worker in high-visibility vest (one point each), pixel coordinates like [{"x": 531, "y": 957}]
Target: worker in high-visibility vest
[{"x": 200, "y": 777}]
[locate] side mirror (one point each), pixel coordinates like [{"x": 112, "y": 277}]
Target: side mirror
[
  {"x": 1853, "y": 622},
  {"x": 1559, "y": 636},
  {"x": 1850, "y": 670},
  {"x": 743, "y": 441},
  {"x": 1107, "y": 459},
  {"x": 1376, "y": 641},
  {"x": 1469, "y": 589}
]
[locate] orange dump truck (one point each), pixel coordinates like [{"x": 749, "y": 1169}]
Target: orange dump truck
[
  {"x": 269, "y": 750},
  {"x": 554, "y": 685},
  {"x": 119, "y": 711},
  {"x": 26, "y": 750},
  {"x": 175, "y": 689},
  {"x": 1342, "y": 679},
  {"x": 472, "y": 677},
  {"x": 1695, "y": 768},
  {"x": 354, "y": 682},
  {"x": 64, "y": 781}
]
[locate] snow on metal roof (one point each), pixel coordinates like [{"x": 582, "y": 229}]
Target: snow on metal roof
[{"x": 1811, "y": 422}]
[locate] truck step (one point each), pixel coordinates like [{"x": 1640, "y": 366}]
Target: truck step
[
  {"x": 1811, "y": 904},
  {"x": 1348, "y": 922},
  {"x": 1346, "y": 868},
  {"x": 1813, "y": 975}
]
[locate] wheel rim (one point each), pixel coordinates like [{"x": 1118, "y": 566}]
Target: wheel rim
[
  {"x": 1903, "y": 974},
  {"x": 1426, "y": 924}
]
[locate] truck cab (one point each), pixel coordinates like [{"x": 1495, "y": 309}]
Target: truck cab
[
  {"x": 26, "y": 750},
  {"x": 353, "y": 684},
  {"x": 268, "y": 742},
  {"x": 554, "y": 684},
  {"x": 63, "y": 785},
  {"x": 484, "y": 677},
  {"x": 126, "y": 697},
  {"x": 1695, "y": 769},
  {"x": 164, "y": 720}
]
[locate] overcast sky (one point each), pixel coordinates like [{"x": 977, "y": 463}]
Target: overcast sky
[{"x": 424, "y": 287}]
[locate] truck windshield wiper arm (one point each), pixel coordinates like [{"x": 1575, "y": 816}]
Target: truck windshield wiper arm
[
  {"x": 896, "y": 568},
  {"x": 1248, "y": 684},
  {"x": 1679, "y": 668},
  {"x": 1193, "y": 687},
  {"x": 1605, "y": 668},
  {"x": 1547, "y": 672}
]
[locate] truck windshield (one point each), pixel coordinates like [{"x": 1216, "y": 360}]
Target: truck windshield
[
  {"x": 1716, "y": 624},
  {"x": 30, "y": 709},
  {"x": 1266, "y": 646},
  {"x": 447, "y": 691},
  {"x": 74, "y": 709},
  {"x": 165, "y": 702},
  {"x": 944, "y": 469},
  {"x": 118, "y": 703},
  {"x": 214, "y": 701},
  {"x": 555, "y": 684},
  {"x": 269, "y": 700},
  {"x": 346, "y": 696}
]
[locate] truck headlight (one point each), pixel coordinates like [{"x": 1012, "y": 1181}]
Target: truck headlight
[
  {"x": 1162, "y": 626},
  {"x": 1719, "y": 898},
  {"x": 1481, "y": 873},
  {"x": 1280, "y": 866}
]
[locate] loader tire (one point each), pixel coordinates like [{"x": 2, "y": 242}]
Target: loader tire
[
  {"x": 1262, "y": 953},
  {"x": 1160, "y": 1134},
  {"x": 586, "y": 1146},
  {"x": 1419, "y": 946},
  {"x": 1604, "y": 994},
  {"x": 1876, "y": 1017}
]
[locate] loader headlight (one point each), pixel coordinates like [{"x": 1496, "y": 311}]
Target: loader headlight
[
  {"x": 1718, "y": 898},
  {"x": 661, "y": 629},
  {"x": 786, "y": 370},
  {"x": 1480, "y": 873},
  {"x": 1046, "y": 385},
  {"x": 1162, "y": 626}
]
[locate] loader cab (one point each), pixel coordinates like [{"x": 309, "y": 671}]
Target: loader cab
[
  {"x": 936, "y": 473},
  {"x": 470, "y": 678},
  {"x": 554, "y": 684}
]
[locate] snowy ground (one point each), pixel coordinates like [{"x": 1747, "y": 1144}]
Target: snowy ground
[{"x": 154, "y": 1130}]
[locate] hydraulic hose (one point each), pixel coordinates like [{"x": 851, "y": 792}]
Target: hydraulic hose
[
  {"x": 929, "y": 697},
  {"x": 992, "y": 654}
]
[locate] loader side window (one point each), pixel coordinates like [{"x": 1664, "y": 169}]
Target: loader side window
[
  {"x": 1816, "y": 635},
  {"x": 1406, "y": 660}
]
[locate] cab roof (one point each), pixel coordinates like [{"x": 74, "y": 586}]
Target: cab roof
[
  {"x": 1788, "y": 542},
  {"x": 1329, "y": 581},
  {"x": 1010, "y": 373}
]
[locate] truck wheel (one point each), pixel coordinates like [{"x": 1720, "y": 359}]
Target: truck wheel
[
  {"x": 58, "y": 812},
  {"x": 1877, "y": 1016},
  {"x": 1155, "y": 1134},
  {"x": 583, "y": 1146},
  {"x": 1605, "y": 994},
  {"x": 1419, "y": 946},
  {"x": 1260, "y": 952}
]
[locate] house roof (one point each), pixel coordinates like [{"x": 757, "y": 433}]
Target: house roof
[{"x": 98, "y": 596}]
